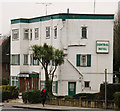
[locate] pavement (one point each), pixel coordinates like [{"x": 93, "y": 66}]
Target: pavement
[{"x": 18, "y": 103}]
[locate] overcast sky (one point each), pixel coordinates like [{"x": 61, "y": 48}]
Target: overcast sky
[{"x": 12, "y": 9}]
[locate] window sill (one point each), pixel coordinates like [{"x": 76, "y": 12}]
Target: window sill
[{"x": 26, "y": 64}]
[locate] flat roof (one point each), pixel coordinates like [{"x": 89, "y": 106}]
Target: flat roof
[{"x": 63, "y": 16}]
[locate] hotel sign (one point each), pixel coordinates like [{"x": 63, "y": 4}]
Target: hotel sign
[
  {"x": 23, "y": 75},
  {"x": 102, "y": 47}
]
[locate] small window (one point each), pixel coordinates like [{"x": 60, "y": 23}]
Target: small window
[
  {"x": 25, "y": 59},
  {"x": 83, "y": 60},
  {"x": 47, "y": 32},
  {"x": 31, "y": 59},
  {"x": 84, "y": 32},
  {"x": 36, "y": 33},
  {"x": 55, "y": 32},
  {"x": 87, "y": 84},
  {"x": 30, "y": 34},
  {"x": 15, "y": 34},
  {"x": 26, "y": 34},
  {"x": 15, "y": 59}
]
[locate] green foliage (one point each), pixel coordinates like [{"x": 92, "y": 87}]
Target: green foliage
[
  {"x": 5, "y": 81},
  {"x": 117, "y": 99},
  {"x": 84, "y": 96},
  {"x": 6, "y": 95},
  {"x": 11, "y": 90},
  {"x": 45, "y": 54},
  {"x": 31, "y": 96},
  {"x": 111, "y": 89}
]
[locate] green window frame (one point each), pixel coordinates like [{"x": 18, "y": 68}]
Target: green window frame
[{"x": 87, "y": 60}]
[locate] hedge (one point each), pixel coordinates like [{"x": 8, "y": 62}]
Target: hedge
[
  {"x": 111, "y": 89},
  {"x": 31, "y": 96},
  {"x": 117, "y": 99},
  {"x": 9, "y": 92}
]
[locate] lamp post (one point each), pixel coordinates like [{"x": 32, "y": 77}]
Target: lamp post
[{"x": 105, "y": 88}]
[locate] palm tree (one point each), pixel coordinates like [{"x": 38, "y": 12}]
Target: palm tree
[{"x": 45, "y": 54}]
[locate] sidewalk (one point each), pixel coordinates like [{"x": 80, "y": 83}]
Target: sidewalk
[{"x": 18, "y": 103}]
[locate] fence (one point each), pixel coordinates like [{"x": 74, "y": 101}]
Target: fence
[{"x": 81, "y": 103}]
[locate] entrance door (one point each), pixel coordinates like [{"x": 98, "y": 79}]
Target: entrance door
[{"x": 71, "y": 88}]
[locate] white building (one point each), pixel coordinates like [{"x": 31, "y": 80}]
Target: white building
[{"x": 87, "y": 39}]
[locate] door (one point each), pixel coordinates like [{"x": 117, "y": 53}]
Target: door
[{"x": 71, "y": 88}]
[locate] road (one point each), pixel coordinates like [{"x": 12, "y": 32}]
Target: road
[{"x": 8, "y": 107}]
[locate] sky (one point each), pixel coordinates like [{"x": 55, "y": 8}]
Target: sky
[{"x": 12, "y": 9}]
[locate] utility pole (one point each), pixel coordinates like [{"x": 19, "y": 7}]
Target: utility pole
[
  {"x": 94, "y": 7},
  {"x": 46, "y": 5},
  {"x": 105, "y": 88}
]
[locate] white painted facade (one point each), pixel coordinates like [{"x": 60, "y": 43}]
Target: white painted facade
[{"x": 69, "y": 39}]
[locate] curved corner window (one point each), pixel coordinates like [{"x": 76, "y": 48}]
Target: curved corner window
[{"x": 15, "y": 34}]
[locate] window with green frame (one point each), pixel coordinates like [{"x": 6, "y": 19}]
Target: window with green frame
[{"x": 83, "y": 60}]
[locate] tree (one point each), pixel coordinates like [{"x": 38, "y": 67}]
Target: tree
[
  {"x": 46, "y": 54},
  {"x": 117, "y": 44}
]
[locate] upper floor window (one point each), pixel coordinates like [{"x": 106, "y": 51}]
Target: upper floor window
[
  {"x": 15, "y": 59},
  {"x": 30, "y": 34},
  {"x": 84, "y": 32},
  {"x": 15, "y": 34},
  {"x": 36, "y": 33},
  {"x": 47, "y": 32},
  {"x": 26, "y": 33},
  {"x": 55, "y": 32},
  {"x": 25, "y": 59},
  {"x": 83, "y": 60}
]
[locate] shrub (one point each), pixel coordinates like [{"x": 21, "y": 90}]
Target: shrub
[
  {"x": 111, "y": 89},
  {"x": 31, "y": 96},
  {"x": 5, "y": 95},
  {"x": 5, "y": 81},
  {"x": 13, "y": 91},
  {"x": 117, "y": 99}
]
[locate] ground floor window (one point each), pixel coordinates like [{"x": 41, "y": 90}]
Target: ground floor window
[
  {"x": 87, "y": 84},
  {"x": 42, "y": 85},
  {"x": 55, "y": 87},
  {"x": 14, "y": 81}
]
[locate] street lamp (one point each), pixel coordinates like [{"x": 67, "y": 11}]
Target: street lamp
[{"x": 105, "y": 88}]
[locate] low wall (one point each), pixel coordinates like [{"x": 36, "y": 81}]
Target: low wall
[{"x": 81, "y": 103}]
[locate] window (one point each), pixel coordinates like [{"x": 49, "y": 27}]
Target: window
[
  {"x": 47, "y": 32},
  {"x": 87, "y": 84},
  {"x": 14, "y": 81},
  {"x": 31, "y": 59},
  {"x": 84, "y": 32},
  {"x": 83, "y": 60},
  {"x": 6, "y": 67},
  {"x": 26, "y": 34},
  {"x": 30, "y": 34},
  {"x": 55, "y": 86},
  {"x": 15, "y": 34},
  {"x": 55, "y": 32},
  {"x": 25, "y": 59},
  {"x": 42, "y": 84},
  {"x": 35, "y": 62},
  {"x": 16, "y": 59},
  {"x": 36, "y": 33}
]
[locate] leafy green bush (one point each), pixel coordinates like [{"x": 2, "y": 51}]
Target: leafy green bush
[
  {"x": 5, "y": 81},
  {"x": 117, "y": 99},
  {"x": 6, "y": 95},
  {"x": 31, "y": 96},
  {"x": 111, "y": 89},
  {"x": 12, "y": 90}
]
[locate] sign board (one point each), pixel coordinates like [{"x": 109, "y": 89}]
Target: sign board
[
  {"x": 102, "y": 47},
  {"x": 23, "y": 75}
]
